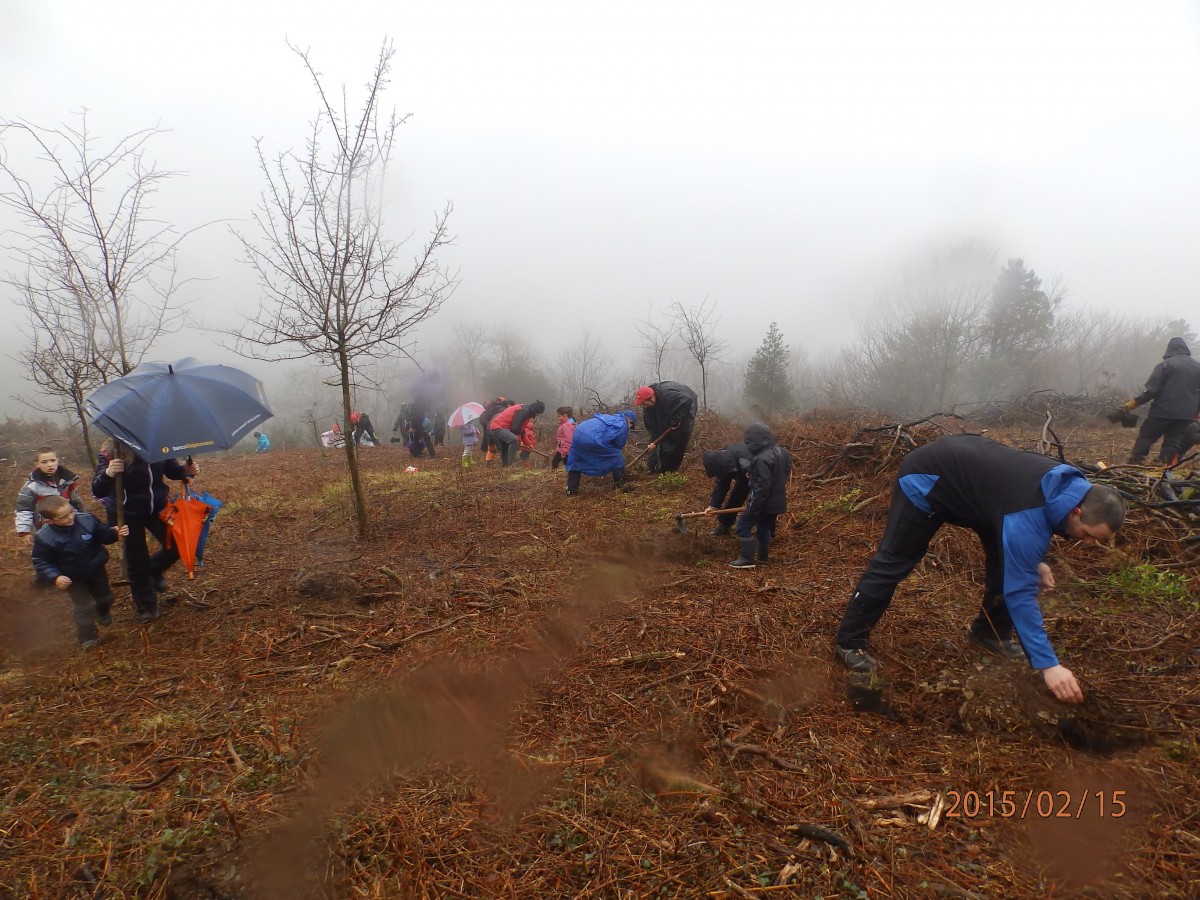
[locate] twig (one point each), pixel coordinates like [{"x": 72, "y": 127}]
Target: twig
[
  {"x": 145, "y": 786},
  {"x": 817, "y": 833},
  {"x": 755, "y": 750},
  {"x": 388, "y": 648}
]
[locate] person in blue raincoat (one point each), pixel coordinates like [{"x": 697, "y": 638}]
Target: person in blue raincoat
[{"x": 597, "y": 449}]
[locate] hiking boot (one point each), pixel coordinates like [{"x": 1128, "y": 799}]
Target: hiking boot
[
  {"x": 90, "y": 645},
  {"x": 104, "y": 618},
  {"x": 746, "y": 560},
  {"x": 855, "y": 660},
  {"x": 147, "y": 617},
  {"x": 572, "y": 493},
  {"x": 719, "y": 531},
  {"x": 1005, "y": 648}
]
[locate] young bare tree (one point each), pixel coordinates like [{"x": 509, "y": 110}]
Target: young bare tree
[
  {"x": 336, "y": 288},
  {"x": 697, "y": 328},
  {"x": 658, "y": 338},
  {"x": 98, "y": 279},
  {"x": 584, "y": 371}
]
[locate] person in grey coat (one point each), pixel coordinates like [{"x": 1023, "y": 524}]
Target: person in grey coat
[{"x": 1173, "y": 392}]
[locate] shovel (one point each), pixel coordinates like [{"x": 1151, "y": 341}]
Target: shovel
[
  {"x": 630, "y": 464},
  {"x": 681, "y": 525}
]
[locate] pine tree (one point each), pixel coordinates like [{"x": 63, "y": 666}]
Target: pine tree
[{"x": 766, "y": 383}]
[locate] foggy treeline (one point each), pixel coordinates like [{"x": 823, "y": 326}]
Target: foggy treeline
[{"x": 959, "y": 330}]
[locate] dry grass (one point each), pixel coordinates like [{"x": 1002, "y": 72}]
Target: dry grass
[{"x": 506, "y": 693}]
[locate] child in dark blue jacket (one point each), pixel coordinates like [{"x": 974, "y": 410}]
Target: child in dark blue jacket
[
  {"x": 69, "y": 552},
  {"x": 770, "y": 469}
]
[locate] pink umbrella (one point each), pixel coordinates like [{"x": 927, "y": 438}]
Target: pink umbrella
[{"x": 468, "y": 412}]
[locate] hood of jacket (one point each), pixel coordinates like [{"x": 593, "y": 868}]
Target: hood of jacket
[
  {"x": 1177, "y": 346},
  {"x": 758, "y": 437},
  {"x": 726, "y": 461}
]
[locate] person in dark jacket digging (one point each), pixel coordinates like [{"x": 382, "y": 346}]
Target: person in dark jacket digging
[
  {"x": 1173, "y": 392},
  {"x": 672, "y": 405},
  {"x": 363, "y": 429},
  {"x": 1016, "y": 501},
  {"x": 729, "y": 468},
  {"x": 68, "y": 552},
  {"x": 145, "y": 497},
  {"x": 770, "y": 469}
]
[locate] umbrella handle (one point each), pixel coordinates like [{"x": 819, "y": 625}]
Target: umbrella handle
[{"x": 119, "y": 507}]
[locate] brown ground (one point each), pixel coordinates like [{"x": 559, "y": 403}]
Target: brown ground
[{"x": 506, "y": 693}]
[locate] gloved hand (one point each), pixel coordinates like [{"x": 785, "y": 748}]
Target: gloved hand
[{"x": 1131, "y": 405}]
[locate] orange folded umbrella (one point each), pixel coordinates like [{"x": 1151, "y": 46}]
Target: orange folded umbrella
[{"x": 185, "y": 522}]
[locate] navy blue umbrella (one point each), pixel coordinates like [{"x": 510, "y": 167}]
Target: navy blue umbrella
[{"x": 165, "y": 410}]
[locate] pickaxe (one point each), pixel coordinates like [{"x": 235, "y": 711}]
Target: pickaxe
[
  {"x": 630, "y": 464},
  {"x": 682, "y": 526}
]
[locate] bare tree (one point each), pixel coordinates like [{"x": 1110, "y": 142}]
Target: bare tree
[
  {"x": 697, "y": 328},
  {"x": 912, "y": 353},
  {"x": 335, "y": 286},
  {"x": 513, "y": 368},
  {"x": 470, "y": 345},
  {"x": 658, "y": 336},
  {"x": 584, "y": 371},
  {"x": 99, "y": 278}
]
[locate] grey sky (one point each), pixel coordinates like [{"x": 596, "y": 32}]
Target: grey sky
[{"x": 783, "y": 158}]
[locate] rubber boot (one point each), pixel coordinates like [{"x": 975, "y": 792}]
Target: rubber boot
[
  {"x": 746, "y": 560},
  {"x": 763, "y": 544}
]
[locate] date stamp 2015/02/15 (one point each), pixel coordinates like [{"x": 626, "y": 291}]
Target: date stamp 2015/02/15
[{"x": 1031, "y": 803}]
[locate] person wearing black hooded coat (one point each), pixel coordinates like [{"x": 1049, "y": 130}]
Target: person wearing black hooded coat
[
  {"x": 1173, "y": 392},
  {"x": 667, "y": 405},
  {"x": 770, "y": 469},
  {"x": 729, "y": 468},
  {"x": 419, "y": 440}
]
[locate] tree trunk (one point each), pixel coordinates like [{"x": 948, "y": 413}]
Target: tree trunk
[{"x": 356, "y": 487}]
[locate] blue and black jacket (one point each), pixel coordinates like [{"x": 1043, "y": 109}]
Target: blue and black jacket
[
  {"x": 75, "y": 550},
  {"x": 1015, "y": 501}
]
